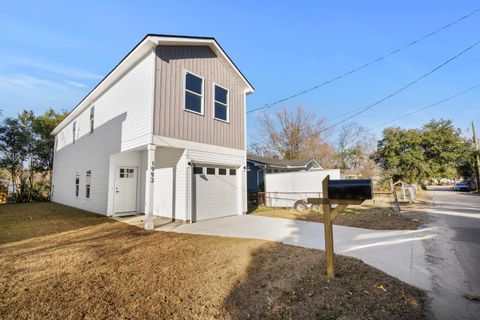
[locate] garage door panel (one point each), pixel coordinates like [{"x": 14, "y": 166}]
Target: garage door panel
[{"x": 215, "y": 195}]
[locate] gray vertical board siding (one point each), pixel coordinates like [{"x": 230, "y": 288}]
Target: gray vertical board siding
[{"x": 171, "y": 120}]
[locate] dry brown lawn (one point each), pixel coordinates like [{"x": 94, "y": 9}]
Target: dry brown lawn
[
  {"x": 30, "y": 220},
  {"x": 115, "y": 271},
  {"x": 376, "y": 218}
]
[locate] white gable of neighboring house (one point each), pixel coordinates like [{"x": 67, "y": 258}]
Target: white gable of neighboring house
[{"x": 313, "y": 165}]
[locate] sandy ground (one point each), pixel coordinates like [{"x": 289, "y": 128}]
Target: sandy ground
[{"x": 116, "y": 271}]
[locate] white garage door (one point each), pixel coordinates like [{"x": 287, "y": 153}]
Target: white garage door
[{"x": 215, "y": 192}]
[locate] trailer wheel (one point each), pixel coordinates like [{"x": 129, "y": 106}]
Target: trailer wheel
[{"x": 300, "y": 206}]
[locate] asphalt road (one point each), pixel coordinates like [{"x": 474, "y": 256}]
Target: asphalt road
[{"x": 453, "y": 255}]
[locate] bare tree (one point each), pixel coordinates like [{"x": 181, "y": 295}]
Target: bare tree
[
  {"x": 295, "y": 134},
  {"x": 259, "y": 148},
  {"x": 355, "y": 144},
  {"x": 326, "y": 156}
]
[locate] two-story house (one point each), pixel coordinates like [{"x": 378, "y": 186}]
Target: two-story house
[{"x": 164, "y": 133}]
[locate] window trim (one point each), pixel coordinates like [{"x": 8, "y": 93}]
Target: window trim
[
  {"x": 92, "y": 119},
  {"x": 88, "y": 178},
  {"x": 185, "y": 90},
  {"x": 77, "y": 185},
  {"x": 74, "y": 130},
  {"x": 226, "y": 105}
]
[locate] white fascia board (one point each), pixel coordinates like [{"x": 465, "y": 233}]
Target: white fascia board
[
  {"x": 256, "y": 164},
  {"x": 286, "y": 167}
]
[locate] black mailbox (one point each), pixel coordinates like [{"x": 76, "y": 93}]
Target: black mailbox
[{"x": 361, "y": 189}]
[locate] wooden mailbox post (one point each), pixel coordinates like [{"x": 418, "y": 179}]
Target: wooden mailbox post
[{"x": 354, "y": 194}]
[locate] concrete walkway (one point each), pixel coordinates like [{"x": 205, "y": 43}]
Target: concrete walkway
[{"x": 398, "y": 253}]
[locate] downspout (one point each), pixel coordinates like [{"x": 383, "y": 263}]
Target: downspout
[
  {"x": 154, "y": 91},
  {"x": 244, "y": 194},
  {"x": 189, "y": 191},
  {"x": 188, "y": 188},
  {"x": 51, "y": 171}
]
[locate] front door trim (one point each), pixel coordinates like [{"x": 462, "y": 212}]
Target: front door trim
[{"x": 117, "y": 170}]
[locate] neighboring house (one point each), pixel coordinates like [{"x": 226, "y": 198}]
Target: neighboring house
[
  {"x": 258, "y": 166},
  {"x": 164, "y": 133}
]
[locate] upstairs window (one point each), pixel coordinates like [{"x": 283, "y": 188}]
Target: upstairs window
[
  {"x": 193, "y": 93},
  {"x": 77, "y": 184},
  {"x": 88, "y": 176},
  {"x": 221, "y": 103},
  {"x": 92, "y": 118},
  {"x": 74, "y": 130}
]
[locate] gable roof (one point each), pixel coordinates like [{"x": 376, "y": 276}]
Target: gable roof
[
  {"x": 280, "y": 162},
  {"x": 149, "y": 42}
]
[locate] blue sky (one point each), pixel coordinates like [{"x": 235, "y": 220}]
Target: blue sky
[{"x": 53, "y": 52}]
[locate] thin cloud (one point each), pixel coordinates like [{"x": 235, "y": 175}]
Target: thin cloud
[
  {"x": 76, "y": 84},
  {"x": 19, "y": 91},
  {"x": 29, "y": 82},
  {"x": 57, "y": 69}
]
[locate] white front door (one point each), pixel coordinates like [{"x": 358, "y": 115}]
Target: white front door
[{"x": 125, "y": 189}]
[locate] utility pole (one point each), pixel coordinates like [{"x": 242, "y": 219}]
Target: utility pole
[{"x": 477, "y": 157}]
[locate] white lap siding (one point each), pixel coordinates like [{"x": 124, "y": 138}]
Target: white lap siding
[
  {"x": 170, "y": 183},
  {"x": 123, "y": 121},
  {"x": 90, "y": 153}
]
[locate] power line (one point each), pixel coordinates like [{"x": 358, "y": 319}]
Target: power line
[
  {"x": 439, "y": 76},
  {"x": 269, "y": 105},
  {"x": 427, "y": 107},
  {"x": 369, "y": 106}
]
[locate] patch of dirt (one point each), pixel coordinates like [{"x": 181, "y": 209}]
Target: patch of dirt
[
  {"x": 376, "y": 218},
  {"x": 423, "y": 199},
  {"x": 292, "y": 284},
  {"x": 117, "y": 271}
]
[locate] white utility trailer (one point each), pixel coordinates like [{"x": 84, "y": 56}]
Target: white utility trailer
[{"x": 291, "y": 189}]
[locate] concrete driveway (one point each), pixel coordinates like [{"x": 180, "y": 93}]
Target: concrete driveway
[{"x": 398, "y": 253}]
